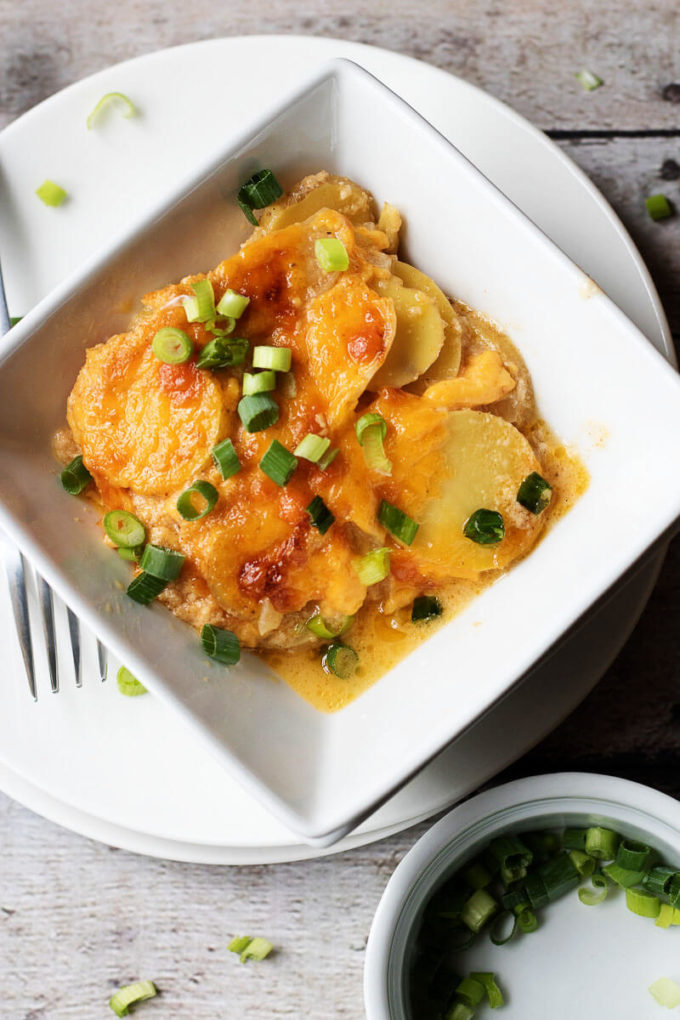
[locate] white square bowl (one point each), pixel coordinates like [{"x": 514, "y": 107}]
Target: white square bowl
[{"x": 599, "y": 383}]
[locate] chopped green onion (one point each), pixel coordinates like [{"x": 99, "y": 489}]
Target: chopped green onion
[
  {"x": 479, "y": 909},
  {"x": 666, "y": 992},
  {"x": 278, "y": 359},
  {"x": 493, "y": 992},
  {"x": 239, "y": 943},
  {"x": 633, "y": 856},
  {"x": 658, "y": 207},
  {"x": 371, "y": 430},
  {"x": 512, "y": 855},
  {"x": 165, "y": 564},
  {"x": 257, "y": 412},
  {"x": 601, "y": 844},
  {"x": 257, "y": 949},
  {"x": 258, "y": 382},
  {"x": 226, "y": 458},
  {"x": 132, "y": 555},
  {"x": 312, "y": 447},
  {"x": 129, "y": 995},
  {"x": 124, "y": 529},
  {"x": 278, "y": 463},
  {"x": 588, "y": 80},
  {"x": 14, "y": 319},
  {"x": 341, "y": 660},
  {"x": 223, "y": 352},
  {"x": 665, "y": 918},
  {"x": 257, "y": 192},
  {"x": 534, "y": 493},
  {"x": 373, "y": 567},
  {"x": 515, "y": 897},
  {"x": 574, "y": 839},
  {"x": 499, "y": 933},
  {"x": 232, "y": 304},
  {"x": 186, "y": 505},
  {"x": 542, "y": 844},
  {"x": 220, "y": 327},
  {"x": 118, "y": 99},
  {"x": 476, "y": 875},
  {"x": 559, "y": 876},
  {"x": 642, "y": 903},
  {"x": 597, "y": 893},
  {"x": 51, "y": 193},
  {"x": 658, "y": 880},
  {"x": 75, "y": 477},
  {"x": 460, "y": 1011},
  {"x": 201, "y": 308},
  {"x": 527, "y": 921},
  {"x": 397, "y": 522},
  {"x": 321, "y": 516},
  {"x": 328, "y": 458},
  {"x": 172, "y": 346},
  {"x": 144, "y": 588},
  {"x": 485, "y": 527},
  {"x": 470, "y": 991},
  {"x": 129, "y": 684},
  {"x": 221, "y": 644},
  {"x": 425, "y": 607},
  {"x": 331, "y": 254},
  {"x": 536, "y": 890},
  {"x": 584, "y": 864},
  {"x": 321, "y": 629}
]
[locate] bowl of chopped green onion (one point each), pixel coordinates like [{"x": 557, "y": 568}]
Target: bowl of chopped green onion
[{"x": 551, "y": 896}]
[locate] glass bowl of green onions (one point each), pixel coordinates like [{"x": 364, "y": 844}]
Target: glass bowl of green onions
[{"x": 551, "y": 896}]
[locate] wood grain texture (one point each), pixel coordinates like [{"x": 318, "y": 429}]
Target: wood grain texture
[{"x": 78, "y": 919}]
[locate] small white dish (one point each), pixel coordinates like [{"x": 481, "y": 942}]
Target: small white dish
[
  {"x": 322, "y": 774},
  {"x": 590, "y": 962}
]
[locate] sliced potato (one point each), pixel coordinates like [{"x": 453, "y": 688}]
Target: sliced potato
[
  {"x": 447, "y": 364},
  {"x": 487, "y": 460},
  {"x": 320, "y": 193},
  {"x": 484, "y": 381},
  {"x": 419, "y": 337},
  {"x": 390, "y": 223}
]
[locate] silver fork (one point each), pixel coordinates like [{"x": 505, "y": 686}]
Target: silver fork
[{"x": 16, "y": 568}]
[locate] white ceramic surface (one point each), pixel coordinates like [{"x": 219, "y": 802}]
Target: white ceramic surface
[
  {"x": 583, "y": 961},
  {"x": 127, "y": 798}
]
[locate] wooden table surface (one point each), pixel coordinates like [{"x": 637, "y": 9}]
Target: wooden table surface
[{"x": 78, "y": 919}]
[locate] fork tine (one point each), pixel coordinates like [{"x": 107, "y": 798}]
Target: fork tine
[
  {"x": 47, "y": 606},
  {"x": 101, "y": 658},
  {"x": 16, "y": 576},
  {"x": 74, "y": 631}
]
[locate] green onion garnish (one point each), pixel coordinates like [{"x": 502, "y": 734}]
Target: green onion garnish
[
  {"x": 527, "y": 921},
  {"x": 131, "y": 555},
  {"x": 493, "y": 992},
  {"x": 201, "y": 308},
  {"x": 75, "y": 477},
  {"x": 512, "y": 856},
  {"x": 470, "y": 992},
  {"x": 328, "y": 458},
  {"x": 371, "y": 430},
  {"x": 276, "y": 358},
  {"x": 534, "y": 493},
  {"x": 633, "y": 856},
  {"x": 658, "y": 207},
  {"x": 590, "y": 897},
  {"x": 221, "y": 644},
  {"x": 321, "y": 516},
  {"x": 425, "y": 607},
  {"x": 312, "y": 447},
  {"x": 666, "y": 992},
  {"x": 485, "y": 527},
  {"x": 232, "y": 304},
  {"x": 144, "y": 588},
  {"x": 257, "y": 412},
  {"x": 623, "y": 877},
  {"x": 186, "y": 504},
  {"x": 249, "y": 948},
  {"x": 642, "y": 903},
  {"x": 226, "y": 458},
  {"x": 257, "y": 192},
  {"x": 331, "y": 254},
  {"x": 223, "y": 352},
  {"x": 117, "y": 99},
  {"x": 51, "y": 193},
  {"x": 397, "y": 522},
  {"x": 124, "y": 529},
  {"x": 321, "y": 629},
  {"x": 258, "y": 382},
  {"x": 665, "y": 918},
  {"x": 658, "y": 880},
  {"x": 584, "y": 864},
  {"x": 129, "y": 995},
  {"x": 479, "y": 909},
  {"x": 588, "y": 80},
  {"x": 172, "y": 346},
  {"x": 601, "y": 844},
  {"x": 341, "y": 660},
  {"x": 373, "y": 567},
  {"x": 165, "y": 564},
  {"x": 460, "y": 1011},
  {"x": 278, "y": 463},
  {"x": 129, "y": 684},
  {"x": 574, "y": 839}
]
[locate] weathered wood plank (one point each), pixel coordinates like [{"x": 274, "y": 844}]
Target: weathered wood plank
[{"x": 524, "y": 53}]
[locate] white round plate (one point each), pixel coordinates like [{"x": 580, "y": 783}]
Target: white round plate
[{"x": 123, "y": 770}]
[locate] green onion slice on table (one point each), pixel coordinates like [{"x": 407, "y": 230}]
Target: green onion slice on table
[
  {"x": 221, "y": 644},
  {"x": 129, "y": 684},
  {"x": 588, "y": 80},
  {"x": 250, "y": 948},
  {"x": 187, "y": 503},
  {"x": 658, "y": 207},
  {"x": 258, "y": 191},
  {"x": 129, "y": 995},
  {"x": 112, "y": 99},
  {"x": 75, "y": 477},
  {"x": 51, "y": 194},
  {"x": 124, "y": 529},
  {"x": 172, "y": 346}
]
